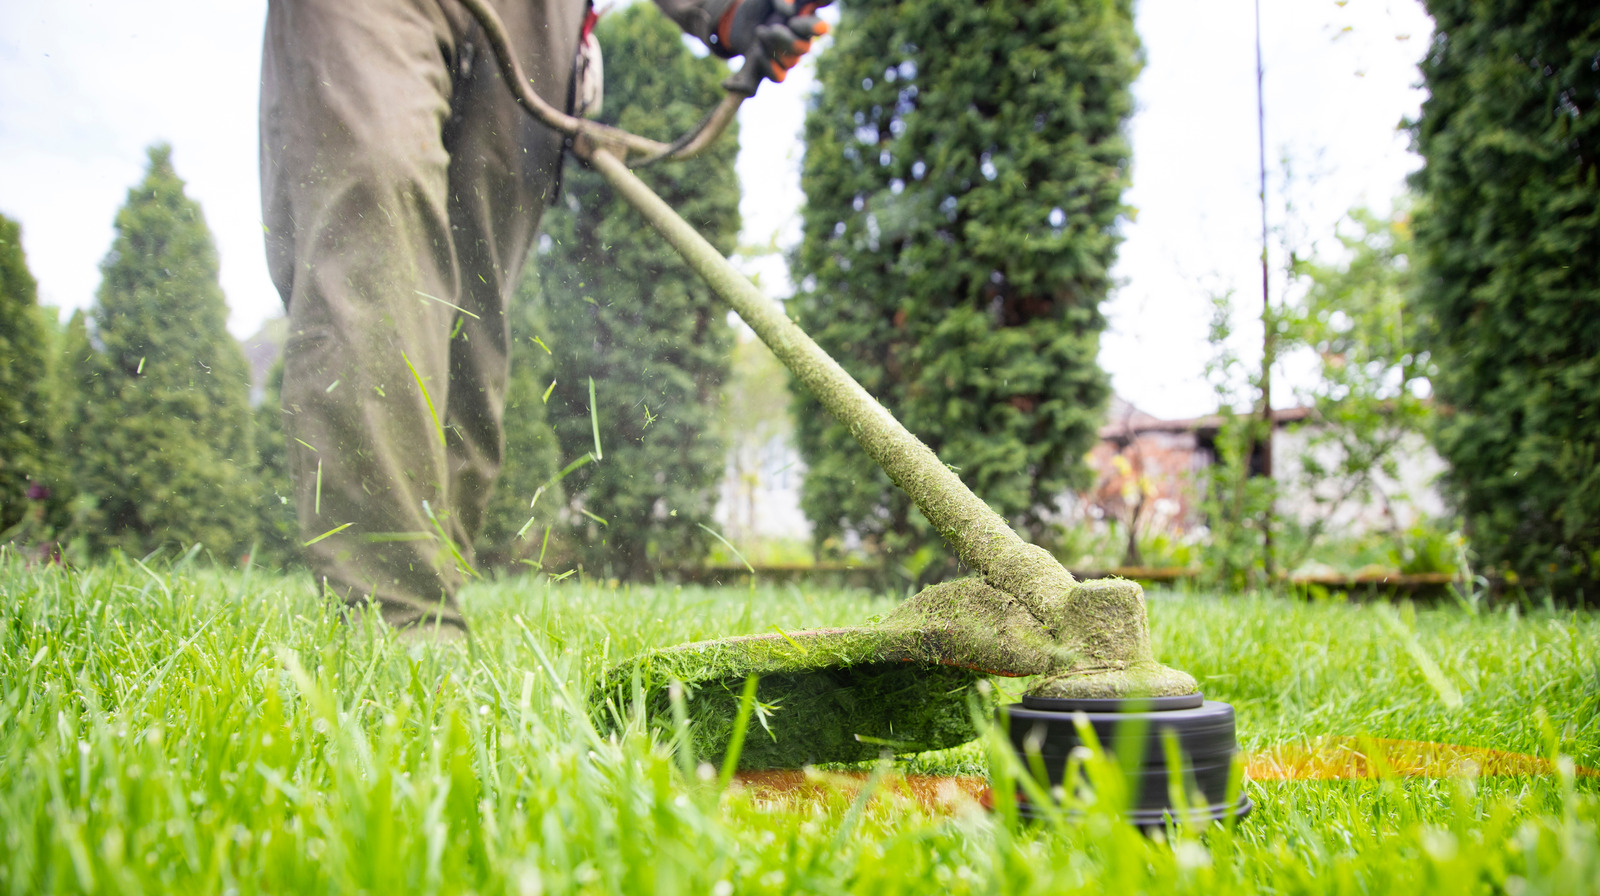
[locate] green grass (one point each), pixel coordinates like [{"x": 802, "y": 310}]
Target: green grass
[{"x": 196, "y": 731}]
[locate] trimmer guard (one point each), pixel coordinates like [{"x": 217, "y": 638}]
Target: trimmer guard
[{"x": 907, "y": 684}]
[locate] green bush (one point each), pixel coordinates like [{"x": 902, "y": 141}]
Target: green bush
[
  {"x": 622, "y": 310},
  {"x": 515, "y": 525},
  {"x": 964, "y": 171},
  {"x": 163, "y": 427},
  {"x": 1508, "y": 235},
  {"x": 29, "y": 466}
]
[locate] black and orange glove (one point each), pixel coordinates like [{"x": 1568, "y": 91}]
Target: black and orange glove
[{"x": 773, "y": 34}]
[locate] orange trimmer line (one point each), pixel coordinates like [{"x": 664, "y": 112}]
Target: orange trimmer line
[{"x": 1324, "y": 759}]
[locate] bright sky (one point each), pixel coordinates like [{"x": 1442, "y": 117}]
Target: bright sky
[{"x": 86, "y": 85}]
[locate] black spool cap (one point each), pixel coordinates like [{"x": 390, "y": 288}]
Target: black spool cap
[{"x": 1204, "y": 730}]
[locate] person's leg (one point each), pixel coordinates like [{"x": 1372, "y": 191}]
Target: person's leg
[
  {"x": 504, "y": 166},
  {"x": 399, "y": 179},
  {"x": 355, "y": 96}
]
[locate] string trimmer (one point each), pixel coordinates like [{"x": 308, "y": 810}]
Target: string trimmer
[{"x": 914, "y": 680}]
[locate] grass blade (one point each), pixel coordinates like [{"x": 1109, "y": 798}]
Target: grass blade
[
  {"x": 334, "y": 531},
  {"x": 718, "y": 536},
  {"x": 438, "y": 427},
  {"x": 594, "y": 421},
  {"x": 741, "y": 724},
  {"x": 565, "y": 472},
  {"x": 448, "y": 304}
]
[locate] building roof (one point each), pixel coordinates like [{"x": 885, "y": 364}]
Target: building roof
[{"x": 1124, "y": 420}]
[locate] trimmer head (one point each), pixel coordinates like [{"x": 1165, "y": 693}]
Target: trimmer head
[{"x": 831, "y": 713}]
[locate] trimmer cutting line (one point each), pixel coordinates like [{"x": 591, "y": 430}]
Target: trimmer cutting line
[
  {"x": 1319, "y": 759},
  {"x": 914, "y": 681}
]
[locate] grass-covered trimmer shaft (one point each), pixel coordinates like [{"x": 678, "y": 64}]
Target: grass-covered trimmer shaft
[{"x": 906, "y": 683}]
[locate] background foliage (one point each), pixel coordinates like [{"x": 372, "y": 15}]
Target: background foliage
[
  {"x": 1371, "y": 385},
  {"x": 964, "y": 171},
  {"x": 532, "y": 453},
  {"x": 1239, "y": 504},
  {"x": 277, "y": 534},
  {"x": 162, "y": 430},
  {"x": 620, "y": 308},
  {"x": 27, "y": 436},
  {"x": 1509, "y": 238},
  {"x": 1345, "y": 325}
]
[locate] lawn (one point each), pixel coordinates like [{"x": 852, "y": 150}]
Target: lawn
[{"x": 182, "y": 729}]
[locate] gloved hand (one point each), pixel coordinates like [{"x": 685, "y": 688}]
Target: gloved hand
[{"x": 771, "y": 33}]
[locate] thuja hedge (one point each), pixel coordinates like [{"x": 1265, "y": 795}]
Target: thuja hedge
[{"x": 1508, "y": 234}]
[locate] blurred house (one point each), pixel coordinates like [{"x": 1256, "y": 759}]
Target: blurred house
[
  {"x": 1149, "y": 472},
  {"x": 1152, "y": 473},
  {"x": 759, "y": 496}
]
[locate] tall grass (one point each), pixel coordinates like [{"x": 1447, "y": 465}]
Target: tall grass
[{"x": 180, "y": 729}]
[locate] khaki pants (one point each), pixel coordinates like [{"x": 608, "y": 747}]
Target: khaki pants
[{"x": 400, "y": 182}]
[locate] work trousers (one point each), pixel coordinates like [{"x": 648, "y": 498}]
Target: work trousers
[{"x": 401, "y": 189}]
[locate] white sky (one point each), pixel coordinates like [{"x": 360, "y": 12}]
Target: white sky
[{"x": 86, "y": 85}]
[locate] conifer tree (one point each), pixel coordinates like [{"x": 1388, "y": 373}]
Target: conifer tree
[
  {"x": 26, "y": 457},
  {"x": 514, "y": 525},
  {"x": 164, "y": 433},
  {"x": 964, "y": 169},
  {"x": 624, "y": 311},
  {"x": 276, "y": 529},
  {"x": 77, "y": 375},
  {"x": 1508, "y": 235}
]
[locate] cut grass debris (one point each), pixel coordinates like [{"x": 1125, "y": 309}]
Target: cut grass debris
[{"x": 422, "y": 387}]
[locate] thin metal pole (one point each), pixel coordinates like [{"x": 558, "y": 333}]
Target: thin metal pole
[{"x": 1268, "y": 326}]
